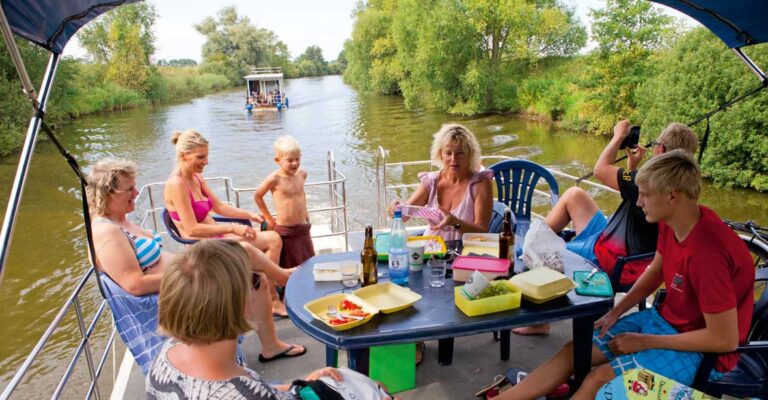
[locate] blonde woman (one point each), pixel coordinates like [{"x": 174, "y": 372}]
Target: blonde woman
[
  {"x": 461, "y": 189},
  {"x": 190, "y": 201},
  {"x": 131, "y": 256},
  {"x": 207, "y": 298}
]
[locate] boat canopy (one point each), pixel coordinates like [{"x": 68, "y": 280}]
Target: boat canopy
[
  {"x": 738, "y": 23},
  {"x": 52, "y": 23}
]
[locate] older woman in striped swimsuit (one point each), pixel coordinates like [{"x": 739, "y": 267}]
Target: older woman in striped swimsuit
[{"x": 131, "y": 256}]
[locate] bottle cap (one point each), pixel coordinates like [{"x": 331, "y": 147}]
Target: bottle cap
[{"x": 398, "y": 214}]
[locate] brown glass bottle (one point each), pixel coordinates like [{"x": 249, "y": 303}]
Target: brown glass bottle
[
  {"x": 369, "y": 259},
  {"x": 507, "y": 241}
]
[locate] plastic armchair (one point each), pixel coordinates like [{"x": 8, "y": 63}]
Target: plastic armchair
[
  {"x": 618, "y": 268},
  {"x": 750, "y": 376},
  {"x": 497, "y": 218},
  {"x": 174, "y": 233},
  {"x": 515, "y": 184}
]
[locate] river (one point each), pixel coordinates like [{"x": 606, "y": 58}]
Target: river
[{"x": 48, "y": 254}]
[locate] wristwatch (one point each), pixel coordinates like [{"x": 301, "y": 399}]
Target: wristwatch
[{"x": 457, "y": 225}]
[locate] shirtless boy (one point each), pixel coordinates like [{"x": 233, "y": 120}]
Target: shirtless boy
[{"x": 287, "y": 187}]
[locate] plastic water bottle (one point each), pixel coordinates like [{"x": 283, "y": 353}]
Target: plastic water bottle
[{"x": 398, "y": 252}]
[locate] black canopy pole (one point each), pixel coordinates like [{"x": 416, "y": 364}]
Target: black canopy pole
[{"x": 14, "y": 201}]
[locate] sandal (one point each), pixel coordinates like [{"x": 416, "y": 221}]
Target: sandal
[{"x": 498, "y": 381}]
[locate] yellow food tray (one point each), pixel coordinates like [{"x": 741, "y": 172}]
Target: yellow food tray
[
  {"x": 488, "y": 305},
  {"x": 435, "y": 245},
  {"x": 542, "y": 284},
  {"x": 319, "y": 309},
  {"x": 387, "y": 297},
  {"x": 482, "y": 250}
]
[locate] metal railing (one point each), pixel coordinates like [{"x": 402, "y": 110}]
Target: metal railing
[
  {"x": 383, "y": 188},
  {"x": 337, "y": 200},
  {"x": 84, "y": 345}
]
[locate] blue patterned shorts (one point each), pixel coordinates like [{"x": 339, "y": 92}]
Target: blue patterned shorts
[{"x": 678, "y": 365}]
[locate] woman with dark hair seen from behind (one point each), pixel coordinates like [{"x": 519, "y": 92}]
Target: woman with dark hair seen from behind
[
  {"x": 208, "y": 297},
  {"x": 189, "y": 201}
]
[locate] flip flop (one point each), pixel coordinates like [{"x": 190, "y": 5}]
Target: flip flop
[{"x": 283, "y": 354}]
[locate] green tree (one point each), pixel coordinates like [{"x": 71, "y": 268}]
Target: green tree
[
  {"x": 696, "y": 76},
  {"x": 627, "y": 33},
  {"x": 233, "y": 45},
  {"x": 456, "y": 55},
  {"x": 122, "y": 43},
  {"x": 313, "y": 56}
]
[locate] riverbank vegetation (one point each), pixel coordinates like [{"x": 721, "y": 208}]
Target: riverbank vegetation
[
  {"x": 120, "y": 74},
  {"x": 470, "y": 57}
]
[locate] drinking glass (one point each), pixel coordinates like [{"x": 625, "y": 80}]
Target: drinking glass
[
  {"x": 350, "y": 275},
  {"x": 436, "y": 271}
]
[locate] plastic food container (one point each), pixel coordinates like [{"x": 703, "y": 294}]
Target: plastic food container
[
  {"x": 488, "y": 305},
  {"x": 433, "y": 245},
  {"x": 542, "y": 284},
  {"x": 383, "y": 297},
  {"x": 463, "y": 267},
  {"x": 331, "y": 271},
  {"x": 480, "y": 239},
  {"x": 387, "y": 297}
]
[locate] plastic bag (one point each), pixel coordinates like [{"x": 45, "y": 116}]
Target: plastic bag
[{"x": 543, "y": 247}]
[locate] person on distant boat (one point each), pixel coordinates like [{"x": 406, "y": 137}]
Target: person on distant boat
[
  {"x": 602, "y": 240},
  {"x": 709, "y": 276},
  {"x": 461, "y": 189},
  {"x": 131, "y": 256},
  {"x": 208, "y": 298},
  {"x": 287, "y": 188},
  {"x": 189, "y": 201}
]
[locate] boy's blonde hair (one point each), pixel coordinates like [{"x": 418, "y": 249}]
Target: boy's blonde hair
[
  {"x": 679, "y": 136},
  {"x": 104, "y": 180},
  {"x": 286, "y": 146},
  {"x": 674, "y": 170},
  {"x": 187, "y": 141},
  {"x": 204, "y": 292},
  {"x": 455, "y": 133}
]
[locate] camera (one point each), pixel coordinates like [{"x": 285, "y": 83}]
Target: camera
[{"x": 632, "y": 140}]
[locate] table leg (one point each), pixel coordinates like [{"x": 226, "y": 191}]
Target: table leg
[
  {"x": 358, "y": 360},
  {"x": 506, "y": 338},
  {"x": 445, "y": 351},
  {"x": 582, "y": 348},
  {"x": 331, "y": 357}
]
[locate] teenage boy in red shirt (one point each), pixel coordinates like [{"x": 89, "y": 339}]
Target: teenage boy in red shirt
[{"x": 709, "y": 277}]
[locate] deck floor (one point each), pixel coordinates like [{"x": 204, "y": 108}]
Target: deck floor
[{"x": 475, "y": 362}]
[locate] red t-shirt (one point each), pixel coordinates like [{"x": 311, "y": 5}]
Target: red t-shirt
[{"x": 709, "y": 272}]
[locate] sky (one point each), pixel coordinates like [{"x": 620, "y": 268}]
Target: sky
[{"x": 298, "y": 23}]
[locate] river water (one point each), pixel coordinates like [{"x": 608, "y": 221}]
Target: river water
[{"x": 48, "y": 254}]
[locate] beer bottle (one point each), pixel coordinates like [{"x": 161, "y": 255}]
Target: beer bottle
[
  {"x": 369, "y": 259},
  {"x": 507, "y": 241}
]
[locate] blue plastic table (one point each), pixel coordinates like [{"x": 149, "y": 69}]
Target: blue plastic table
[{"x": 435, "y": 317}]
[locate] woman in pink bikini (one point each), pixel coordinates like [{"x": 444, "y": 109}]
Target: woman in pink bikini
[
  {"x": 461, "y": 189},
  {"x": 189, "y": 201}
]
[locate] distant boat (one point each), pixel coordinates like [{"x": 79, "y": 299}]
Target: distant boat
[{"x": 264, "y": 90}]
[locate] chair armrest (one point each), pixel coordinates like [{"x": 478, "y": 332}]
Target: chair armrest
[
  {"x": 753, "y": 346},
  {"x": 761, "y": 274},
  {"x": 241, "y": 221},
  {"x": 621, "y": 261}
]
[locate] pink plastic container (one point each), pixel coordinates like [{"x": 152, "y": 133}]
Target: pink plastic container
[{"x": 463, "y": 267}]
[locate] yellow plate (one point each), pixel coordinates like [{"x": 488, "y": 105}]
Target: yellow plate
[
  {"x": 319, "y": 309},
  {"x": 387, "y": 296}
]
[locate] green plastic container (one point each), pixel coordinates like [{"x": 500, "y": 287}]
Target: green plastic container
[{"x": 394, "y": 365}]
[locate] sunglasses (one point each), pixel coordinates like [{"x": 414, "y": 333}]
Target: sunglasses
[
  {"x": 655, "y": 143},
  {"x": 255, "y": 280}
]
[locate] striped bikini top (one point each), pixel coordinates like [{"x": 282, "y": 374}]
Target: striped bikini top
[{"x": 147, "y": 250}]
